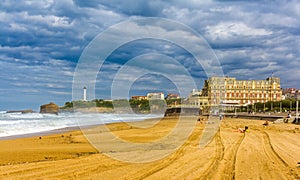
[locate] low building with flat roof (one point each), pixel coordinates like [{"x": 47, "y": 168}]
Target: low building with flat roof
[{"x": 155, "y": 96}]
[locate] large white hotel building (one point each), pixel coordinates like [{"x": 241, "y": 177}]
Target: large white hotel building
[{"x": 228, "y": 89}]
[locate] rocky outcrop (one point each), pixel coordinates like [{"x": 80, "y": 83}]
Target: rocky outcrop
[{"x": 50, "y": 108}]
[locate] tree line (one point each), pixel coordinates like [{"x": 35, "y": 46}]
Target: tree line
[
  {"x": 142, "y": 105},
  {"x": 283, "y": 105}
]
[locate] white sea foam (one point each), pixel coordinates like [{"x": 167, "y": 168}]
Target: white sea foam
[
  {"x": 18, "y": 123},
  {"x": 25, "y": 116}
]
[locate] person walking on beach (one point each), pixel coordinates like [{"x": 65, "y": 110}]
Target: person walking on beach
[
  {"x": 220, "y": 117},
  {"x": 243, "y": 130},
  {"x": 266, "y": 123}
]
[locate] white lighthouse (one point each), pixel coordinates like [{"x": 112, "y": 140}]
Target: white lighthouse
[{"x": 84, "y": 94}]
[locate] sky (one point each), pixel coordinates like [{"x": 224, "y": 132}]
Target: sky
[{"x": 43, "y": 41}]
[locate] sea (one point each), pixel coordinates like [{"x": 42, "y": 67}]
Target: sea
[{"x": 12, "y": 124}]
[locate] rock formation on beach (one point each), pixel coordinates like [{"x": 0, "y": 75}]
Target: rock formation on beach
[{"x": 49, "y": 108}]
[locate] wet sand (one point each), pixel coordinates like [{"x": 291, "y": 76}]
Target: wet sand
[{"x": 270, "y": 152}]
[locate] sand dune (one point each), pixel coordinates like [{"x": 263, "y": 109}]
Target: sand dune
[{"x": 262, "y": 153}]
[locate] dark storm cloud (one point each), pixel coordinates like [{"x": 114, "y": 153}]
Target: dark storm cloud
[
  {"x": 41, "y": 41},
  {"x": 129, "y": 7}
]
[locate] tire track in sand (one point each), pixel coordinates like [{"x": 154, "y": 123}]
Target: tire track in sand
[
  {"x": 230, "y": 165},
  {"x": 63, "y": 170},
  {"x": 210, "y": 171},
  {"x": 169, "y": 160},
  {"x": 276, "y": 158},
  {"x": 195, "y": 169}
]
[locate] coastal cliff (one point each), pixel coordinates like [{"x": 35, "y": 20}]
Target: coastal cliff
[{"x": 50, "y": 108}]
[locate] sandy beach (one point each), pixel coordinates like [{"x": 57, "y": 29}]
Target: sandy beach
[{"x": 270, "y": 152}]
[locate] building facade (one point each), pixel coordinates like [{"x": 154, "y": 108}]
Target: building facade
[
  {"x": 229, "y": 89},
  {"x": 155, "y": 96},
  {"x": 291, "y": 93},
  {"x": 196, "y": 98},
  {"x": 139, "y": 97},
  {"x": 172, "y": 96}
]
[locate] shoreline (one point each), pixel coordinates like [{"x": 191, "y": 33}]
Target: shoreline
[
  {"x": 259, "y": 116},
  {"x": 64, "y": 130},
  {"x": 42, "y": 133},
  {"x": 74, "y": 128}
]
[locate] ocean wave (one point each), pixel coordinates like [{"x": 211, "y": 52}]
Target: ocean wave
[
  {"x": 17, "y": 124},
  {"x": 25, "y": 116}
]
